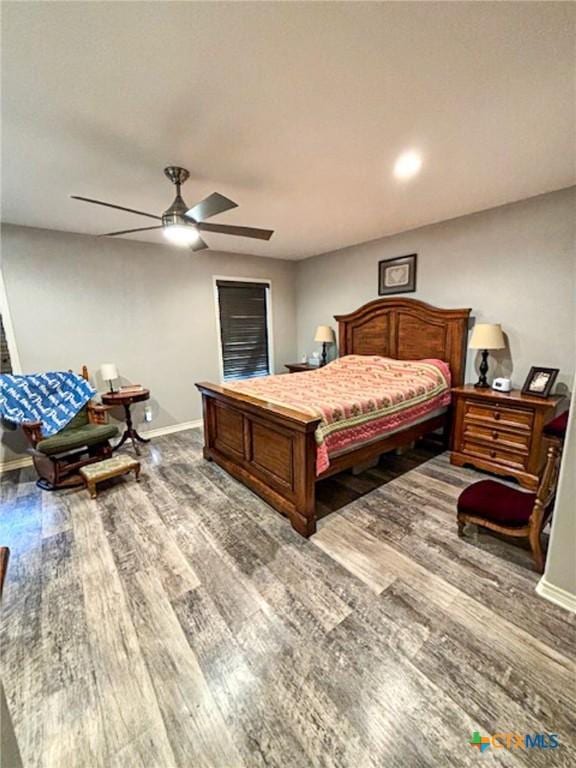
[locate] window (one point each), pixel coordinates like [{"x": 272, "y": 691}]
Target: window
[
  {"x": 9, "y": 361},
  {"x": 5, "y": 362},
  {"x": 243, "y": 310}
]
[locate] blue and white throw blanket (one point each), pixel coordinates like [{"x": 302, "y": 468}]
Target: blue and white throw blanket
[{"x": 53, "y": 398}]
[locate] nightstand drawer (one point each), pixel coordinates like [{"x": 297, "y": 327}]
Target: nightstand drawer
[
  {"x": 496, "y": 414},
  {"x": 496, "y": 436},
  {"x": 501, "y": 433},
  {"x": 495, "y": 455}
]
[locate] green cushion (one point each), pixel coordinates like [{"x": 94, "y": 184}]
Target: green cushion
[
  {"x": 68, "y": 439},
  {"x": 79, "y": 420}
]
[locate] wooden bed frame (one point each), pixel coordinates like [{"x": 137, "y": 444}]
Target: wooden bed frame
[{"x": 272, "y": 449}]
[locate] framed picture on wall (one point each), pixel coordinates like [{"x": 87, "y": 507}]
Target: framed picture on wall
[
  {"x": 540, "y": 381},
  {"x": 397, "y": 275}
]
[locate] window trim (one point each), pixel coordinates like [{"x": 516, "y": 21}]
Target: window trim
[
  {"x": 8, "y": 327},
  {"x": 269, "y": 326}
]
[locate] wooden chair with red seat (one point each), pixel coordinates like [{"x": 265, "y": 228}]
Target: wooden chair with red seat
[
  {"x": 556, "y": 429},
  {"x": 510, "y": 511},
  {"x": 4, "y": 556}
]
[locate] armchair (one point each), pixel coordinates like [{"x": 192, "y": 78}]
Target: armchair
[
  {"x": 496, "y": 506},
  {"x": 84, "y": 440}
]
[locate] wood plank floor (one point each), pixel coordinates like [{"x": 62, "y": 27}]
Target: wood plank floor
[{"x": 181, "y": 622}]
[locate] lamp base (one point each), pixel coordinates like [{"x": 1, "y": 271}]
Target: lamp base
[
  {"x": 324, "y": 355},
  {"x": 482, "y": 382}
]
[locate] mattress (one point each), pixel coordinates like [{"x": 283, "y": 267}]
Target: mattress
[{"x": 359, "y": 398}]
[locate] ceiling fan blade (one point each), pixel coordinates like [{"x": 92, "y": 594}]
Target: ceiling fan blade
[
  {"x": 210, "y": 206},
  {"x": 199, "y": 245},
  {"x": 129, "y": 231},
  {"x": 118, "y": 207},
  {"x": 227, "y": 229}
]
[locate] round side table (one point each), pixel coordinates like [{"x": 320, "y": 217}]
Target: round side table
[{"x": 126, "y": 400}]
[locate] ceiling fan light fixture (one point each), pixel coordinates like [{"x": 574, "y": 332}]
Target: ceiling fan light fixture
[
  {"x": 180, "y": 234},
  {"x": 181, "y": 224}
]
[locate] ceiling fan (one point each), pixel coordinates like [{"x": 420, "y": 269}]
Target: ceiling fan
[{"x": 182, "y": 225}]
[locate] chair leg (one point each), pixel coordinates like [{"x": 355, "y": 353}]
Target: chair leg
[
  {"x": 45, "y": 468},
  {"x": 536, "y": 547}
]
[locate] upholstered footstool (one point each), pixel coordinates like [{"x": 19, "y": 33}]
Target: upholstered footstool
[{"x": 104, "y": 470}]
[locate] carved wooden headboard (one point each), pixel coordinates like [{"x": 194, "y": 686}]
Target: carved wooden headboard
[{"x": 406, "y": 329}]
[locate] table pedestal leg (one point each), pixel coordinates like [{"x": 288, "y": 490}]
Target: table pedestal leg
[{"x": 130, "y": 432}]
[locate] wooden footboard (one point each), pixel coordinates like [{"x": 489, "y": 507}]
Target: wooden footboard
[{"x": 270, "y": 449}]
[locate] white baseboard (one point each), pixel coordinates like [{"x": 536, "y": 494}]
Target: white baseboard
[
  {"x": 21, "y": 463},
  {"x": 26, "y": 461},
  {"x": 556, "y": 595},
  {"x": 172, "y": 428}
]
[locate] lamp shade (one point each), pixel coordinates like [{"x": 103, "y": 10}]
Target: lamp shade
[
  {"x": 487, "y": 336},
  {"x": 108, "y": 371},
  {"x": 324, "y": 333}
]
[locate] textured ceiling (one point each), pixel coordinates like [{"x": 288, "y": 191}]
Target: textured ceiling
[{"x": 296, "y": 111}]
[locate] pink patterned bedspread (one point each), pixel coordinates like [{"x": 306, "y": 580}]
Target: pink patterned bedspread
[{"x": 358, "y": 397}]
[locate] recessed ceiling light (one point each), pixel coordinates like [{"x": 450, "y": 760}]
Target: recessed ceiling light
[
  {"x": 407, "y": 165},
  {"x": 180, "y": 234}
]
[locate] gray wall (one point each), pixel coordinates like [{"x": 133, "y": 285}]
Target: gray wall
[
  {"x": 148, "y": 308},
  {"x": 513, "y": 265}
]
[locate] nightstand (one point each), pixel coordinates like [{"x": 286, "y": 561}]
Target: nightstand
[
  {"x": 501, "y": 432},
  {"x": 299, "y": 367}
]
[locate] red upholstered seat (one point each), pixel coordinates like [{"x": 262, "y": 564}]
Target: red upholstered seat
[
  {"x": 557, "y": 427},
  {"x": 497, "y": 502}
]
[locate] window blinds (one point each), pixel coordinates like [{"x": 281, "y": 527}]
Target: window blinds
[{"x": 243, "y": 329}]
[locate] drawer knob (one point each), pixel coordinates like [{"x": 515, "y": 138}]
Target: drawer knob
[
  {"x": 497, "y": 416},
  {"x": 493, "y": 454},
  {"x": 495, "y": 435}
]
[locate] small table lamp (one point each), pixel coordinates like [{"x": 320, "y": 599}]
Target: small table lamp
[
  {"x": 486, "y": 336},
  {"x": 325, "y": 334},
  {"x": 109, "y": 373}
]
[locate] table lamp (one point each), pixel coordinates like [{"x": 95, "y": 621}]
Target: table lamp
[
  {"x": 325, "y": 334},
  {"x": 109, "y": 373},
  {"x": 486, "y": 336}
]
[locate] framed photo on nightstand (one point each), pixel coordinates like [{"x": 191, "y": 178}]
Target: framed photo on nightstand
[
  {"x": 397, "y": 275},
  {"x": 540, "y": 381}
]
